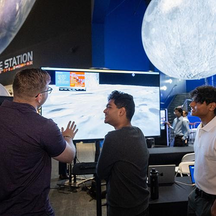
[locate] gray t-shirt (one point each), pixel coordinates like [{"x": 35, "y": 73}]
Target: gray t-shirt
[{"x": 123, "y": 163}]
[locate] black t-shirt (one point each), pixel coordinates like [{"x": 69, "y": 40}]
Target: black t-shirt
[
  {"x": 123, "y": 163},
  {"x": 28, "y": 141}
]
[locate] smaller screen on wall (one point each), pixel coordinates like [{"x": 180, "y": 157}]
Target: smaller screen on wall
[{"x": 70, "y": 80}]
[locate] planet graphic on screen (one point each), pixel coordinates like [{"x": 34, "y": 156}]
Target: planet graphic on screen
[{"x": 13, "y": 14}]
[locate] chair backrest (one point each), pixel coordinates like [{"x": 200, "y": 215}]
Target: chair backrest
[
  {"x": 183, "y": 167},
  {"x": 188, "y": 157}
]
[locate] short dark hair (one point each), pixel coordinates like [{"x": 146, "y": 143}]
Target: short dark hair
[
  {"x": 203, "y": 94},
  {"x": 125, "y": 100},
  {"x": 186, "y": 112},
  {"x": 30, "y": 82},
  {"x": 179, "y": 109}
]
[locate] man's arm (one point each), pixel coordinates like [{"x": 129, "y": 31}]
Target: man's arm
[
  {"x": 68, "y": 154},
  {"x": 106, "y": 159},
  {"x": 171, "y": 126}
]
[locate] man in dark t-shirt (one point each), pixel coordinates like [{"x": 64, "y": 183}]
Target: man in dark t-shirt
[
  {"x": 124, "y": 159},
  {"x": 28, "y": 142}
]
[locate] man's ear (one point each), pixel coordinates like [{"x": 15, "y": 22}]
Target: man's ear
[
  {"x": 212, "y": 106},
  {"x": 38, "y": 98},
  {"x": 122, "y": 111}
]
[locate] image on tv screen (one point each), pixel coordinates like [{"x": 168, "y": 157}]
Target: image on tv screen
[{"x": 82, "y": 97}]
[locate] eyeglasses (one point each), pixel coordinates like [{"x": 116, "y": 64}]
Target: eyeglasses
[{"x": 49, "y": 90}]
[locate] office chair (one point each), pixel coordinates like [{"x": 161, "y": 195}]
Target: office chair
[
  {"x": 183, "y": 167},
  {"x": 188, "y": 157}
]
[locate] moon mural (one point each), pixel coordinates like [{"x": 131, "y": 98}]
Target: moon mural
[{"x": 13, "y": 14}]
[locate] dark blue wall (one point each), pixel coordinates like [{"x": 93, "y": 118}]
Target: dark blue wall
[
  {"x": 123, "y": 44},
  {"x": 191, "y": 84},
  {"x": 121, "y": 34},
  {"x": 117, "y": 44}
]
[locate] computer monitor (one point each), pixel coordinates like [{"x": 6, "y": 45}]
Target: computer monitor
[
  {"x": 166, "y": 173},
  {"x": 81, "y": 95}
]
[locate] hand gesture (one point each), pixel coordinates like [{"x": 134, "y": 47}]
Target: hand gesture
[
  {"x": 70, "y": 131},
  {"x": 167, "y": 123}
]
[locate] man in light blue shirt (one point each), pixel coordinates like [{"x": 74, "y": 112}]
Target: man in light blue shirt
[{"x": 180, "y": 128}]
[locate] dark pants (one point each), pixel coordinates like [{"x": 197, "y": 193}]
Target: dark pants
[
  {"x": 179, "y": 142},
  {"x": 199, "y": 204}
]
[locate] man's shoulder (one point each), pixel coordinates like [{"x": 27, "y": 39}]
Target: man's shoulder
[
  {"x": 112, "y": 133},
  {"x": 48, "y": 123},
  {"x": 125, "y": 131}
]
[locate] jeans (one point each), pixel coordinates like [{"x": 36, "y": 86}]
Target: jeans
[{"x": 198, "y": 205}]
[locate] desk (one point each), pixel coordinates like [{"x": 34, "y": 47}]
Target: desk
[
  {"x": 172, "y": 200},
  {"x": 168, "y": 155}
]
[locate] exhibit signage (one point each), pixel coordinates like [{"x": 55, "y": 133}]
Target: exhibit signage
[{"x": 16, "y": 62}]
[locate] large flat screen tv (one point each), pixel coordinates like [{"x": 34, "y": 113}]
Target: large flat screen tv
[{"x": 81, "y": 95}]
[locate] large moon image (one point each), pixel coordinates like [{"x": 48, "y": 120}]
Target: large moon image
[{"x": 13, "y": 14}]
